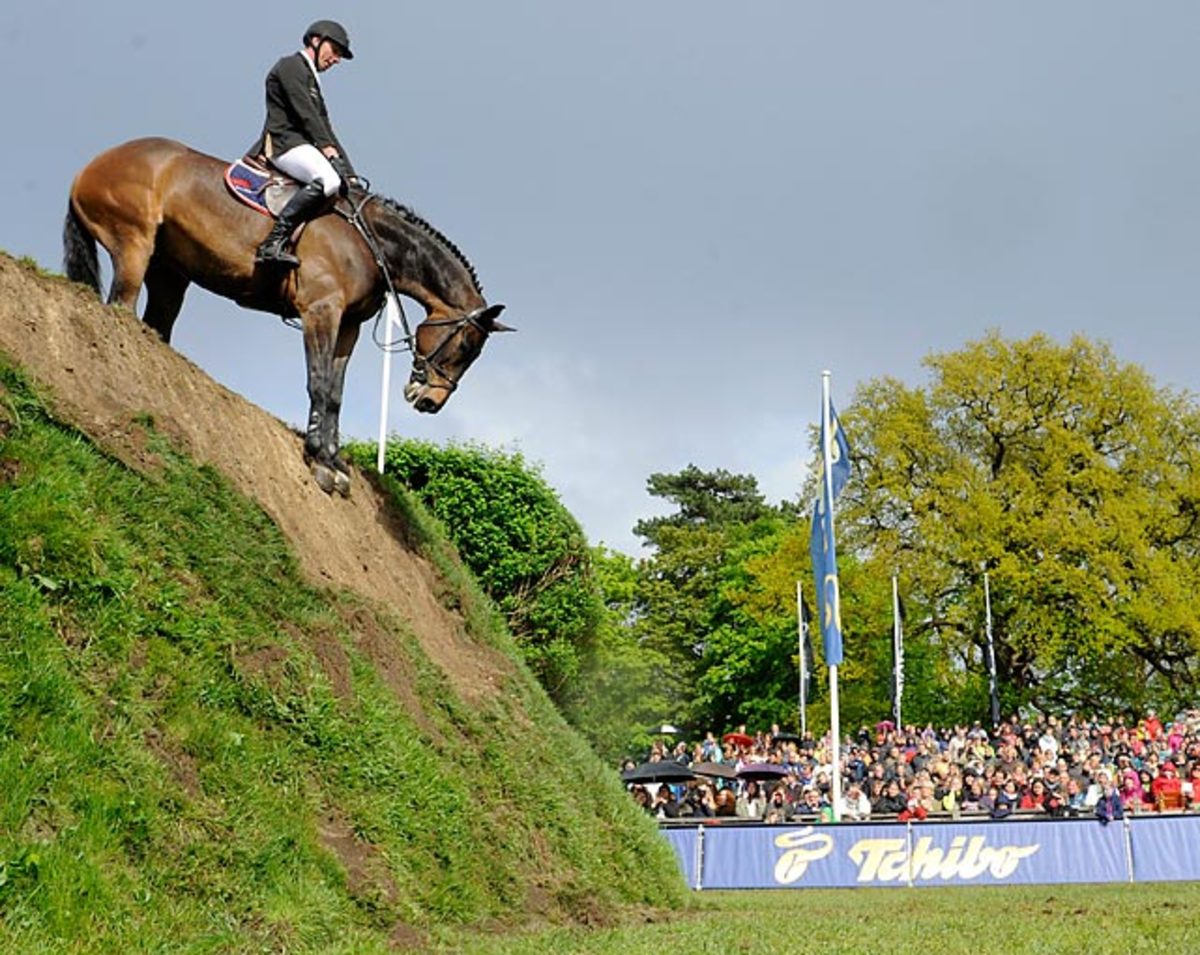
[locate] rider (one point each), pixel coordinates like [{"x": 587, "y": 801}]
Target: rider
[{"x": 297, "y": 137}]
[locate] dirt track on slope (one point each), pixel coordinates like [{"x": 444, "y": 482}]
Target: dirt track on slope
[{"x": 103, "y": 370}]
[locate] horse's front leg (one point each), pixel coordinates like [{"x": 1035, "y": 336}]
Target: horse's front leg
[
  {"x": 347, "y": 337},
  {"x": 321, "y": 321}
]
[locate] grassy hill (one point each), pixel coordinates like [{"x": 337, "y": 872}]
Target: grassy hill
[{"x": 210, "y": 740}]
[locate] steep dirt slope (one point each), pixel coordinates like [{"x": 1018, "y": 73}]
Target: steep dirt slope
[{"x": 106, "y": 371}]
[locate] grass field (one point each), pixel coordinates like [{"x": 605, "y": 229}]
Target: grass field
[
  {"x": 180, "y": 772},
  {"x": 1127, "y": 919}
]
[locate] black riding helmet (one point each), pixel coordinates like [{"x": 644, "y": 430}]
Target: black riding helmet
[{"x": 334, "y": 32}]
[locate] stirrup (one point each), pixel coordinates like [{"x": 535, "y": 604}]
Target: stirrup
[{"x": 275, "y": 254}]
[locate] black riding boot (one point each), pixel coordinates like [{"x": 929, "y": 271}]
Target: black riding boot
[{"x": 300, "y": 208}]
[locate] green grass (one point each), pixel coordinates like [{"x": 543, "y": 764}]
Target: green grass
[
  {"x": 1045, "y": 919},
  {"x": 171, "y": 744}
]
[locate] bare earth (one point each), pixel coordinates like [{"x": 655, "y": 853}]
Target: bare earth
[{"x": 103, "y": 369}]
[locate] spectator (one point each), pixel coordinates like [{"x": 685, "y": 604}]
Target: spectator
[
  {"x": 814, "y": 804},
  {"x": 1153, "y": 724},
  {"x": 1034, "y": 798},
  {"x": 892, "y": 801},
  {"x": 1109, "y": 805},
  {"x": 1008, "y": 799},
  {"x": 856, "y": 807},
  {"x": 665, "y": 805},
  {"x": 778, "y": 808},
  {"x": 1167, "y": 789},
  {"x": 1048, "y": 742},
  {"x": 1074, "y": 797},
  {"x": 1133, "y": 796},
  {"x": 703, "y": 801},
  {"x": 1191, "y": 786},
  {"x": 751, "y": 803},
  {"x": 972, "y": 794},
  {"x": 913, "y": 807}
]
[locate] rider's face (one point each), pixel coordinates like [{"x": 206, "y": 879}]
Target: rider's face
[{"x": 327, "y": 55}]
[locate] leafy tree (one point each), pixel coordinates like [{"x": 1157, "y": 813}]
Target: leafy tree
[
  {"x": 1074, "y": 483},
  {"x": 750, "y": 671},
  {"x": 703, "y": 498},
  {"x": 680, "y": 608},
  {"x": 620, "y": 693},
  {"x": 527, "y": 551}
]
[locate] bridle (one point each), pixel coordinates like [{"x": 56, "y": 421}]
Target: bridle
[{"x": 423, "y": 363}]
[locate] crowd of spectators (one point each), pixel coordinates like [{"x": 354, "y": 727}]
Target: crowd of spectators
[{"x": 1040, "y": 767}]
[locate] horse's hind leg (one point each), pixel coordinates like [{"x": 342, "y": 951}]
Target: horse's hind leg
[
  {"x": 130, "y": 259},
  {"x": 165, "y": 289}
]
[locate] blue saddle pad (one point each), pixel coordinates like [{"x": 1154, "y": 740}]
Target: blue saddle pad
[{"x": 248, "y": 181}]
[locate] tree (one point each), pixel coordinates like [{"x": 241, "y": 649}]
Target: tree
[
  {"x": 620, "y": 693},
  {"x": 679, "y": 605},
  {"x": 526, "y": 550},
  {"x": 703, "y": 498},
  {"x": 1074, "y": 483}
]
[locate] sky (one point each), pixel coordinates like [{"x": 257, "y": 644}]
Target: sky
[{"x": 690, "y": 208}]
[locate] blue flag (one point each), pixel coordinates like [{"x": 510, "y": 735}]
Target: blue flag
[{"x": 824, "y": 552}]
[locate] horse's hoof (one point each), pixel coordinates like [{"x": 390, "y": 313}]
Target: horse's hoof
[
  {"x": 341, "y": 483},
  {"x": 324, "y": 476}
]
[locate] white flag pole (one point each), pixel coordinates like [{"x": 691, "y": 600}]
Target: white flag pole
[
  {"x": 897, "y": 650},
  {"x": 804, "y": 664},
  {"x": 991, "y": 652},
  {"x": 391, "y": 320},
  {"x": 835, "y": 729}
]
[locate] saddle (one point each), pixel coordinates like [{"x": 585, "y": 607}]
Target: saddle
[{"x": 262, "y": 188}]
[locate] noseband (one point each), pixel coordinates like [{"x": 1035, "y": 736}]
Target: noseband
[{"x": 423, "y": 363}]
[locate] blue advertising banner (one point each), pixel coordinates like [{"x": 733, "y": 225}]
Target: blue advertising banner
[
  {"x": 1016, "y": 853},
  {"x": 685, "y": 842},
  {"x": 951, "y": 853},
  {"x": 773, "y": 857},
  {"x": 1166, "y": 849}
]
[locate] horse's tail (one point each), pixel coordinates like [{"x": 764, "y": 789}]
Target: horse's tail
[{"x": 80, "y": 260}]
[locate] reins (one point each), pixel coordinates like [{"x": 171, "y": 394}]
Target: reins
[{"x": 408, "y": 343}]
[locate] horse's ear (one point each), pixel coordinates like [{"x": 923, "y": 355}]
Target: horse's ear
[{"x": 488, "y": 318}]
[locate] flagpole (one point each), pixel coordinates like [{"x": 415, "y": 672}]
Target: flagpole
[
  {"x": 835, "y": 729},
  {"x": 897, "y": 650},
  {"x": 389, "y": 311},
  {"x": 804, "y": 664},
  {"x": 991, "y": 651}
]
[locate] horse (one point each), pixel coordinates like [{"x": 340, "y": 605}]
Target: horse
[{"x": 164, "y": 215}]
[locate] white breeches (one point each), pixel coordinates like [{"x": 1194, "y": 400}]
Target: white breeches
[{"x": 307, "y": 163}]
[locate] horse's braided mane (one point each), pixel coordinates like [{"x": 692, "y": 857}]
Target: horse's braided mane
[{"x": 433, "y": 232}]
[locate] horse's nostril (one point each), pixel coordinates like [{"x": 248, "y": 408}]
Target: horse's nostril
[{"x": 426, "y": 405}]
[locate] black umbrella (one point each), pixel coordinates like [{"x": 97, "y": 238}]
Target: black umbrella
[
  {"x": 717, "y": 770},
  {"x": 762, "y": 771},
  {"x": 664, "y": 771}
]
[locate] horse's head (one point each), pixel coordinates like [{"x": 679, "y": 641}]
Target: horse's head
[{"x": 443, "y": 350}]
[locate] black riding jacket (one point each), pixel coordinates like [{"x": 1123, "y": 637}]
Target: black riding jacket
[{"x": 296, "y": 112}]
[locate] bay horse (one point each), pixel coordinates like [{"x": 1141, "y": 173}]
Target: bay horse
[{"x": 164, "y": 215}]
